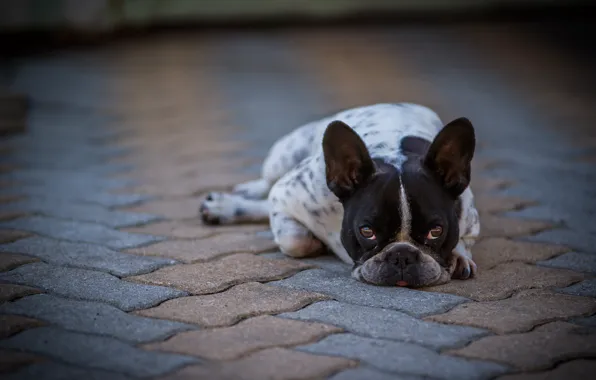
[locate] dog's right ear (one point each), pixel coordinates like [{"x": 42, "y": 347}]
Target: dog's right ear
[{"x": 347, "y": 161}]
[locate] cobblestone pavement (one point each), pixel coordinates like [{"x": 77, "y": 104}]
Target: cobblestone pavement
[{"x": 106, "y": 272}]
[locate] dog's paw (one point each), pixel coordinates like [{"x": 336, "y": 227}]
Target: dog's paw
[
  {"x": 220, "y": 208},
  {"x": 465, "y": 267},
  {"x": 258, "y": 189}
]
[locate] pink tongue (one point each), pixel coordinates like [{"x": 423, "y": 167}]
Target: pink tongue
[{"x": 402, "y": 283}]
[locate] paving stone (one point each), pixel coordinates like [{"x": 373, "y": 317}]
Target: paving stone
[
  {"x": 491, "y": 204},
  {"x": 184, "y": 208},
  {"x": 7, "y": 236},
  {"x": 218, "y": 275},
  {"x": 193, "y": 229},
  {"x": 535, "y": 350},
  {"x": 328, "y": 262},
  {"x": 506, "y": 279},
  {"x": 346, "y": 289},
  {"x": 575, "y": 369},
  {"x": 89, "y": 285},
  {"x": 498, "y": 226},
  {"x": 9, "y": 292},
  {"x": 86, "y": 256},
  {"x": 12, "y": 360},
  {"x": 93, "y": 318},
  {"x": 57, "y": 371},
  {"x": 386, "y": 324},
  {"x": 491, "y": 252},
  {"x": 12, "y": 324},
  {"x": 403, "y": 358},
  {"x": 586, "y": 288},
  {"x": 10, "y": 261},
  {"x": 8, "y": 215},
  {"x": 81, "y": 212},
  {"x": 189, "y": 251},
  {"x": 190, "y": 186},
  {"x": 577, "y": 261},
  {"x": 362, "y": 373},
  {"x": 577, "y": 240},
  {"x": 587, "y": 321},
  {"x": 79, "y": 231},
  {"x": 232, "y": 305},
  {"x": 269, "y": 364},
  {"x": 519, "y": 313},
  {"x": 250, "y": 335},
  {"x": 92, "y": 351},
  {"x": 484, "y": 185}
]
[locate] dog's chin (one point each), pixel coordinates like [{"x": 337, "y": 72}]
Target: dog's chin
[{"x": 429, "y": 273}]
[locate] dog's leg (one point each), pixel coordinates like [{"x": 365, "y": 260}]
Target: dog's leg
[
  {"x": 293, "y": 238},
  {"x": 469, "y": 227},
  {"x": 222, "y": 208}
]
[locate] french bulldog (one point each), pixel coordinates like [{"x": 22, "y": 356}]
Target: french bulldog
[{"x": 385, "y": 187}]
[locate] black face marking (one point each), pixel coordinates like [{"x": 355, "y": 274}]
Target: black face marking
[{"x": 414, "y": 146}]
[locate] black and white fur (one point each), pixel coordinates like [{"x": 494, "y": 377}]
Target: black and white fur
[{"x": 393, "y": 168}]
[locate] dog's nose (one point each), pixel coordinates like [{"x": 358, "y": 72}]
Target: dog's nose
[{"x": 403, "y": 256}]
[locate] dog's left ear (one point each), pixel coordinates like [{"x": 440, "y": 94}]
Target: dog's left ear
[
  {"x": 347, "y": 161},
  {"x": 450, "y": 155}
]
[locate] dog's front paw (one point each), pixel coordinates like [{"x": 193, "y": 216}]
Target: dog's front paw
[
  {"x": 465, "y": 267},
  {"x": 219, "y": 208}
]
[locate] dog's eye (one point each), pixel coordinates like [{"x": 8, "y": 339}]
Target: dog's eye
[
  {"x": 367, "y": 232},
  {"x": 435, "y": 233}
]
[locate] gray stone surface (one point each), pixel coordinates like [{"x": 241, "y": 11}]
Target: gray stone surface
[
  {"x": 586, "y": 288},
  {"x": 403, "y": 358},
  {"x": 365, "y": 373},
  {"x": 97, "y": 352},
  {"x": 89, "y": 285},
  {"x": 327, "y": 262},
  {"x": 81, "y": 212},
  {"x": 93, "y": 318},
  {"x": 577, "y": 261},
  {"x": 585, "y": 321},
  {"x": 81, "y": 180},
  {"x": 79, "y": 232},
  {"x": 86, "y": 256},
  {"x": 346, "y": 289},
  {"x": 579, "y": 240},
  {"x": 56, "y": 371},
  {"x": 387, "y": 324}
]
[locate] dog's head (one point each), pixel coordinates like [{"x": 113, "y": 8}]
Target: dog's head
[{"x": 400, "y": 226}]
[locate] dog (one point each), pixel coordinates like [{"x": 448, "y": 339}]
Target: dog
[{"x": 385, "y": 187}]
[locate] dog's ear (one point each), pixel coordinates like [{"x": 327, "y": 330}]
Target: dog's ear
[
  {"x": 347, "y": 161},
  {"x": 450, "y": 155}
]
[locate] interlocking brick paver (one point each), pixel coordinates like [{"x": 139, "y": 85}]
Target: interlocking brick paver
[
  {"x": 227, "y": 308},
  {"x": 498, "y": 226},
  {"x": 403, "y": 358},
  {"x": 81, "y": 212},
  {"x": 89, "y": 285},
  {"x": 328, "y": 262},
  {"x": 79, "y": 231},
  {"x": 250, "y": 335},
  {"x": 346, "y": 289},
  {"x": 92, "y": 351},
  {"x": 577, "y": 261},
  {"x": 366, "y": 373},
  {"x": 184, "y": 208},
  {"x": 193, "y": 229},
  {"x": 485, "y": 185},
  {"x": 9, "y": 292},
  {"x": 491, "y": 252},
  {"x": 519, "y": 313},
  {"x": 86, "y": 256},
  {"x": 587, "y": 321},
  {"x": 57, "y": 371},
  {"x": 386, "y": 324},
  {"x": 220, "y": 274},
  {"x": 575, "y": 369},
  {"x": 535, "y": 350},
  {"x": 579, "y": 240},
  {"x": 505, "y": 279},
  {"x": 7, "y": 236},
  {"x": 12, "y": 324},
  {"x": 189, "y": 186},
  {"x": 208, "y": 248},
  {"x": 8, "y": 215},
  {"x": 93, "y": 318},
  {"x": 270, "y": 364},
  {"x": 12, "y": 360},
  {"x": 586, "y": 288},
  {"x": 10, "y": 261},
  {"x": 490, "y": 203}
]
